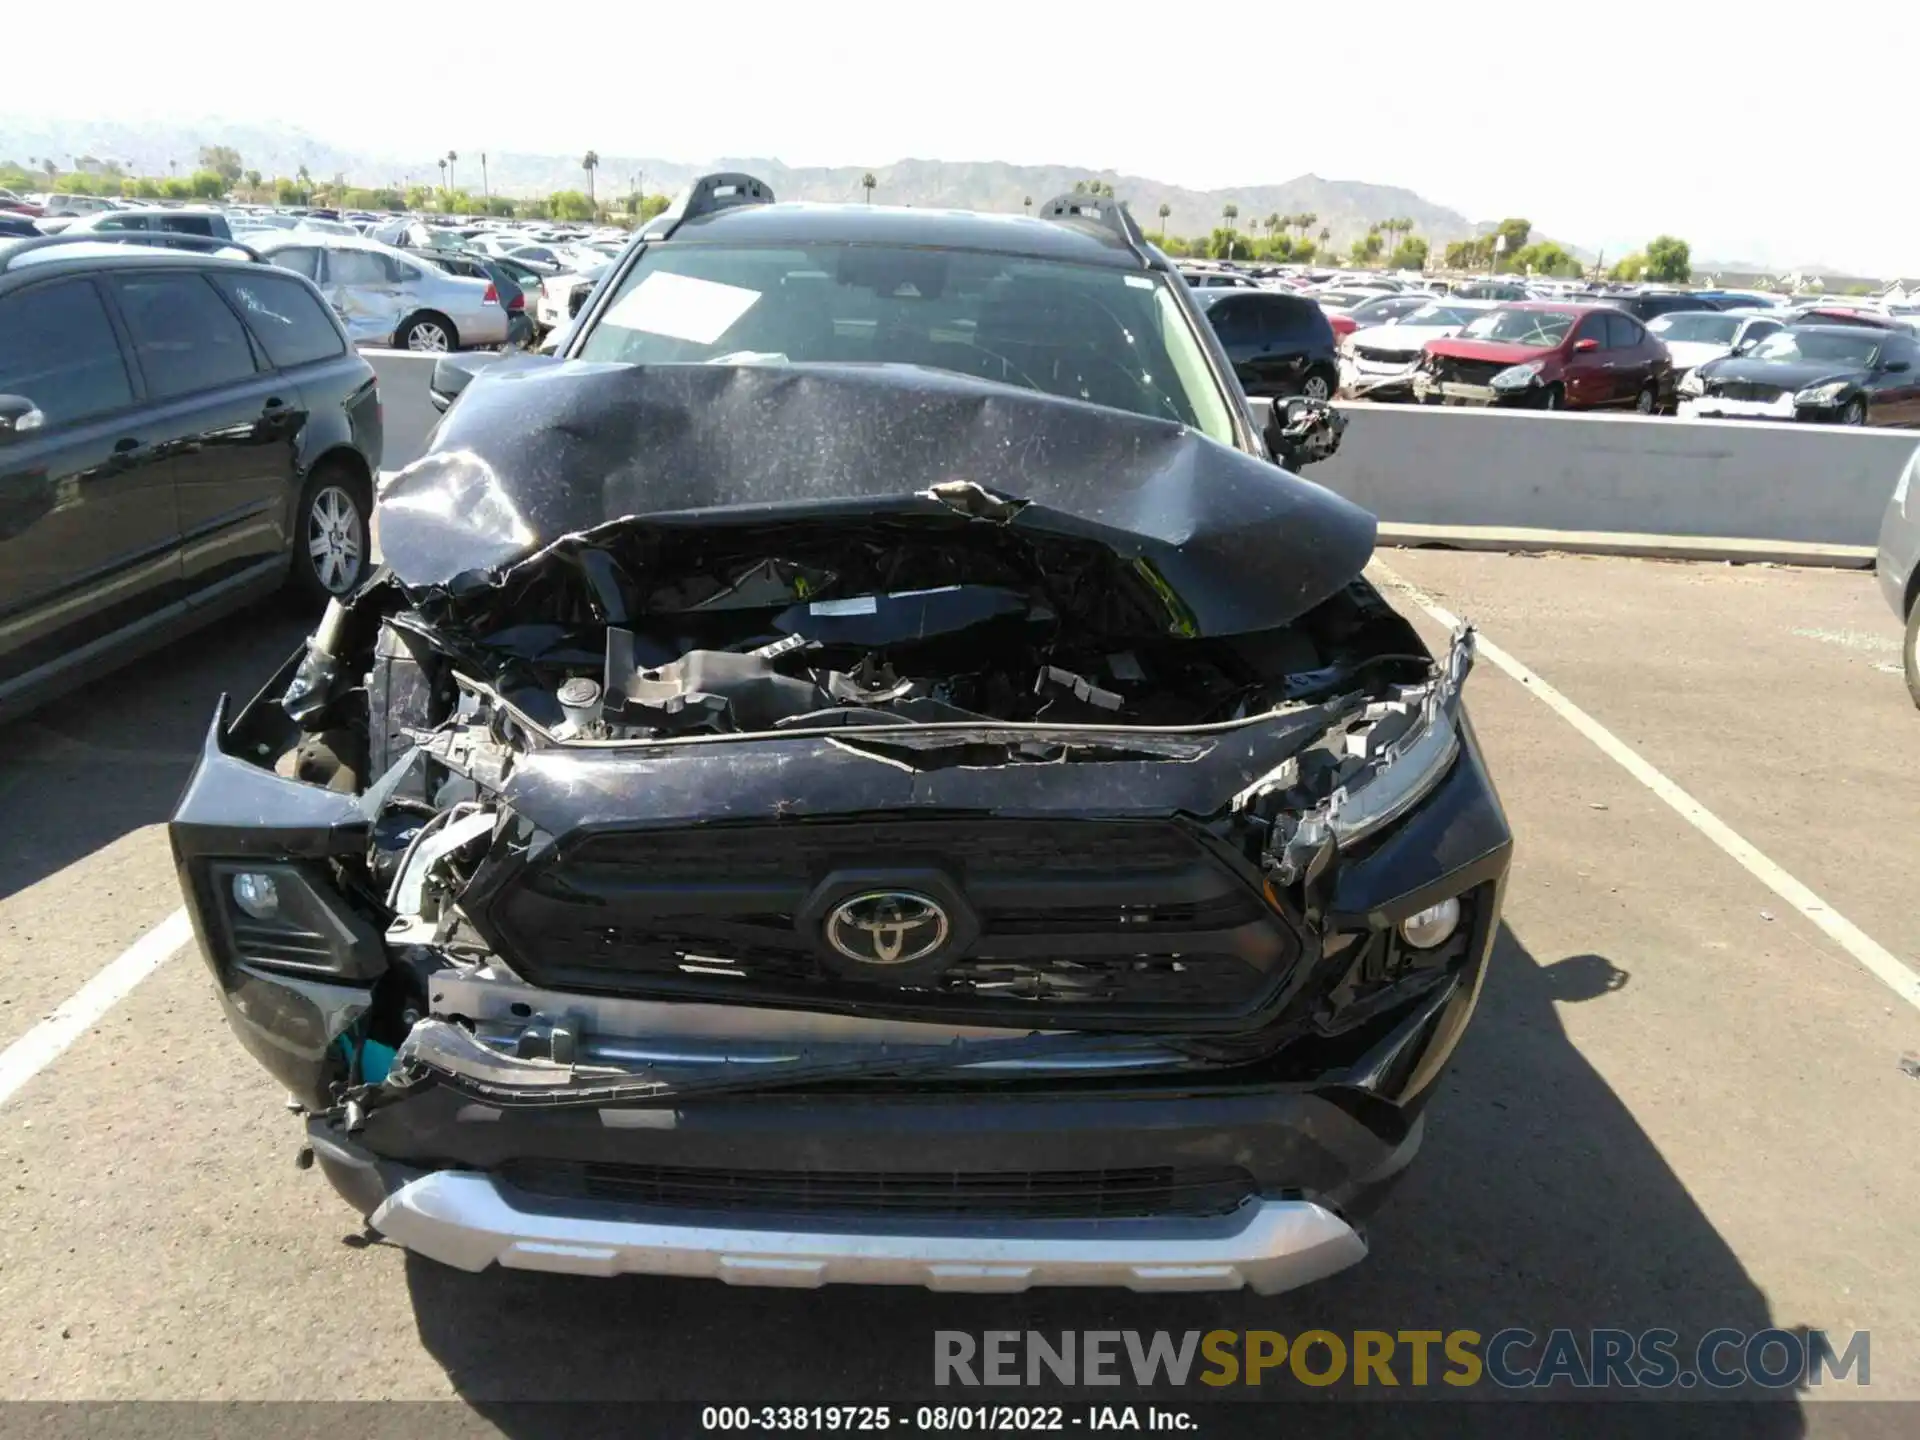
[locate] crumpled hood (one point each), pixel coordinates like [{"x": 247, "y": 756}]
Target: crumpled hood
[
  {"x": 1787, "y": 374},
  {"x": 536, "y": 452}
]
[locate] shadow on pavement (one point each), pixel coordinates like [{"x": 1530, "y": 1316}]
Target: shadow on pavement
[
  {"x": 1538, "y": 1202},
  {"x": 114, "y": 755}
]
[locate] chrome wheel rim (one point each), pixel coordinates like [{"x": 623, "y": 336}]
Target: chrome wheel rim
[
  {"x": 1854, "y": 414},
  {"x": 1645, "y": 403},
  {"x": 1315, "y": 388},
  {"x": 426, "y": 336},
  {"x": 336, "y": 540}
]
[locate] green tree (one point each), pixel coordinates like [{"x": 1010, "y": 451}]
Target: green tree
[
  {"x": 1366, "y": 251},
  {"x": 590, "y": 162},
  {"x": 1222, "y": 244},
  {"x": 1543, "y": 257},
  {"x": 652, "y": 205},
  {"x": 571, "y": 205},
  {"x": 1165, "y": 211},
  {"x": 867, "y": 182},
  {"x": 176, "y": 189},
  {"x": 1409, "y": 254},
  {"x": 223, "y": 160},
  {"x": 1629, "y": 267},
  {"x": 418, "y": 197},
  {"x": 1669, "y": 259},
  {"x": 500, "y": 205},
  {"x": 1229, "y": 212},
  {"x": 208, "y": 184},
  {"x": 453, "y": 157},
  {"x": 1303, "y": 252},
  {"x": 1516, "y": 231}
]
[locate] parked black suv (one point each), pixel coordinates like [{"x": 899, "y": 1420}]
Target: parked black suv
[
  {"x": 863, "y": 768},
  {"x": 179, "y": 435},
  {"x": 1279, "y": 344}
]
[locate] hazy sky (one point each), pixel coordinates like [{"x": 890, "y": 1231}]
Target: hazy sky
[{"x": 1753, "y": 131}]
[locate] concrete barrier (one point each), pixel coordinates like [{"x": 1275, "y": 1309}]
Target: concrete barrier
[
  {"x": 1426, "y": 466},
  {"x": 1439, "y": 475}
]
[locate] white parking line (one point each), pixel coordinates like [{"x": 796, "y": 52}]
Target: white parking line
[
  {"x": 1876, "y": 958},
  {"x": 45, "y": 1042}
]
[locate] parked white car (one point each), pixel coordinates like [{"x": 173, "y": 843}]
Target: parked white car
[
  {"x": 1378, "y": 363},
  {"x": 1693, "y": 337}
]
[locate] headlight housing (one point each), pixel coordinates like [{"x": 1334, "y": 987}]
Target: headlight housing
[
  {"x": 1822, "y": 394},
  {"x": 1692, "y": 384},
  {"x": 1425, "y": 751},
  {"x": 1346, "y": 349},
  {"x": 1517, "y": 377}
]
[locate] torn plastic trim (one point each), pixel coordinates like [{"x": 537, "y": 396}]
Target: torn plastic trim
[{"x": 438, "y": 1050}]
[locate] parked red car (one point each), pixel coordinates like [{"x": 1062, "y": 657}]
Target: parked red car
[
  {"x": 17, "y": 204},
  {"x": 1549, "y": 357}
]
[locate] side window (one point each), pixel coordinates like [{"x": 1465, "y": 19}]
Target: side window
[
  {"x": 58, "y": 349},
  {"x": 301, "y": 259},
  {"x": 1289, "y": 322},
  {"x": 1234, "y": 322},
  {"x": 402, "y": 272},
  {"x": 1894, "y": 348},
  {"x": 123, "y": 222},
  {"x": 356, "y": 267},
  {"x": 187, "y": 224},
  {"x": 1758, "y": 331},
  {"x": 184, "y": 336},
  {"x": 1623, "y": 332},
  {"x": 1593, "y": 328},
  {"x": 285, "y": 317}
]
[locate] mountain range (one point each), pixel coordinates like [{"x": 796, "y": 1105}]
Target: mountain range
[{"x": 1344, "y": 207}]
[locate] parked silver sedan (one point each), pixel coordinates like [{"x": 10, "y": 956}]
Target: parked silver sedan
[
  {"x": 387, "y": 298},
  {"x": 1897, "y": 565}
]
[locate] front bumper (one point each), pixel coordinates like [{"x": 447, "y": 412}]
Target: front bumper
[
  {"x": 471, "y": 1222},
  {"x": 1318, "y": 1141},
  {"x": 1364, "y": 379},
  {"x": 1716, "y": 407}
]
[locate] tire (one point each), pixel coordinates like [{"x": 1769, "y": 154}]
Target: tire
[
  {"x": 1553, "y": 398},
  {"x": 1647, "y": 401},
  {"x": 1855, "y": 412},
  {"x": 1910, "y": 652},
  {"x": 1316, "y": 386},
  {"x": 428, "y": 333},
  {"x": 332, "y": 519}
]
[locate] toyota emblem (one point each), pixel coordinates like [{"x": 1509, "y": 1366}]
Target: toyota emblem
[{"x": 887, "y": 927}]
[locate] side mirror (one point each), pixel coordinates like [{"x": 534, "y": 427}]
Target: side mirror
[
  {"x": 1585, "y": 344},
  {"x": 18, "y": 416},
  {"x": 452, "y": 374}
]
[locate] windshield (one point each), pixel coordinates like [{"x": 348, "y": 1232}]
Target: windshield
[
  {"x": 1085, "y": 332},
  {"x": 1535, "y": 329},
  {"x": 1685, "y": 325},
  {"x": 1440, "y": 315},
  {"x": 1791, "y": 345}
]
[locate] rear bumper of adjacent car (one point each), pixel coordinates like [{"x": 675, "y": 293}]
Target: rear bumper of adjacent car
[{"x": 1898, "y": 553}]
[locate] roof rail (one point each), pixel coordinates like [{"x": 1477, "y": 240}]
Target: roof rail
[
  {"x": 1104, "y": 211},
  {"x": 160, "y": 240},
  {"x": 720, "y": 191}
]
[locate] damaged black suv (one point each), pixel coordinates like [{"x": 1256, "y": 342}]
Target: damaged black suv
[{"x": 863, "y": 768}]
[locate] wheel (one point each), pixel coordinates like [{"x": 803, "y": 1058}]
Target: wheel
[
  {"x": 428, "y": 332},
  {"x": 1316, "y": 386},
  {"x": 1855, "y": 413},
  {"x": 1553, "y": 398},
  {"x": 1647, "y": 401},
  {"x": 330, "y": 533},
  {"x": 1912, "y": 654}
]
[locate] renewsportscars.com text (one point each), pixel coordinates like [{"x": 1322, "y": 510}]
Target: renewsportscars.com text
[{"x": 1513, "y": 1359}]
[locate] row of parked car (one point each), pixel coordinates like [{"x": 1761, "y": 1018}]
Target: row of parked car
[{"x": 1650, "y": 352}]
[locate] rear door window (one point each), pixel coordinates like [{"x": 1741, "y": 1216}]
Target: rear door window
[
  {"x": 1623, "y": 332},
  {"x": 284, "y": 316},
  {"x": 357, "y": 267},
  {"x": 301, "y": 259},
  {"x": 1292, "y": 322},
  {"x": 58, "y": 349},
  {"x": 187, "y": 224},
  {"x": 185, "y": 338}
]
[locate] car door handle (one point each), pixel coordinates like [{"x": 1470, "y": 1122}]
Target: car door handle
[
  {"x": 274, "y": 402},
  {"x": 127, "y": 446}
]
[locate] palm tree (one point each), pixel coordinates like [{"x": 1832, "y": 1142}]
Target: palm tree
[
  {"x": 1028, "y": 202},
  {"x": 867, "y": 182},
  {"x": 486, "y": 195},
  {"x": 1325, "y": 233},
  {"x": 306, "y": 185},
  {"x": 452, "y": 155},
  {"x": 1165, "y": 211},
  {"x": 1229, "y": 212},
  {"x": 1274, "y": 222},
  {"x": 590, "y": 162},
  {"x": 1305, "y": 221},
  {"x": 442, "y": 163}
]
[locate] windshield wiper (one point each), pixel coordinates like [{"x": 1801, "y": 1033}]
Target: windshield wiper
[{"x": 438, "y": 1051}]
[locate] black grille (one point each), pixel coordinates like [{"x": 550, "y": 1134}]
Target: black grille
[
  {"x": 1013, "y": 1194},
  {"x": 1469, "y": 372},
  {"x": 1381, "y": 357},
  {"x": 1744, "y": 390},
  {"x": 1096, "y": 921}
]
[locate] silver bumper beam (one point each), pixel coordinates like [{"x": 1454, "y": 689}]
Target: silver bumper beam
[{"x": 467, "y": 1221}]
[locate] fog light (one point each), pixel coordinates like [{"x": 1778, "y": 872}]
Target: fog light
[
  {"x": 1430, "y": 927},
  {"x": 255, "y": 894}
]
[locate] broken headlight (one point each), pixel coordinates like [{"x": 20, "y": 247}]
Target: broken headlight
[
  {"x": 1419, "y": 759},
  {"x": 1692, "y": 384},
  {"x": 1517, "y": 377}
]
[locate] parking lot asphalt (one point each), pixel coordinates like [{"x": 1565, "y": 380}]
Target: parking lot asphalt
[{"x": 1680, "y": 1105}]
